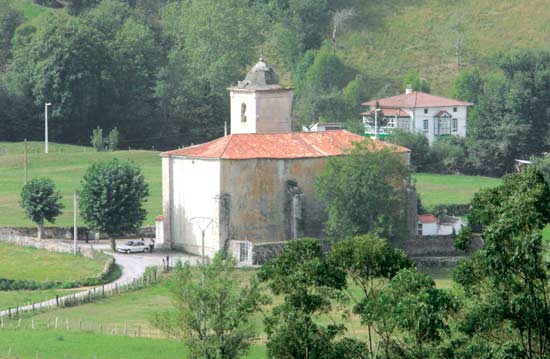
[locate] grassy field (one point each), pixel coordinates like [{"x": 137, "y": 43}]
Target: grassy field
[
  {"x": 65, "y": 165},
  {"x": 28, "y": 344},
  {"x": 388, "y": 38},
  {"x": 26, "y": 263},
  {"x": 18, "y": 298},
  {"x": 437, "y": 189}
]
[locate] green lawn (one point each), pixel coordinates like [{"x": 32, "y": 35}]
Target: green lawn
[
  {"x": 53, "y": 344},
  {"x": 19, "y": 298},
  {"x": 26, "y": 263},
  {"x": 437, "y": 189},
  {"x": 65, "y": 165}
]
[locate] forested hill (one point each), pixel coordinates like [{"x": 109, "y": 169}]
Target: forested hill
[{"x": 158, "y": 70}]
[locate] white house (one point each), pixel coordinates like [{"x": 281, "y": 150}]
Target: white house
[
  {"x": 416, "y": 111},
  {"x": 252, "y": 189},
  {"x": 429, "y": 225},
  {"x": 323, "y": 126}
]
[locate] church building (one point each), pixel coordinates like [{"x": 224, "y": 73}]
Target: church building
[{"x": 252, "y": 190}]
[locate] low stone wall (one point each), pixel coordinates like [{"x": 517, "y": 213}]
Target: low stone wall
[
  {"x": 67, "y": 233},
  {"x": 438, "y": 246},
  {"x": 262, "y": 252},
  {"x": 14, "y": 236}
]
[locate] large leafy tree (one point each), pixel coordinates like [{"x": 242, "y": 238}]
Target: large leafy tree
[
  {"x": 214, "y": 319},
  {"x": 411, "y": 315},
  {"x": 112, "y": 196},
  {"x": 213, "y": 43},
  {"x": 309, "y": 284},
  {"x": 512, "y": 117},
  {"x": 9, "y": 20},
  {"x": 506, "y": 282},
  {"x": 369, "y": 261},
  {"x": 364, "y": 191},
  {"x": 61, "y": 60},
  {"x": 41, "y": 202}
]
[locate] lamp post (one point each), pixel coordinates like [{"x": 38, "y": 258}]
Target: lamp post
[
  {"x": 46, "y": 126},
  {"x": 376, "y": 122}
]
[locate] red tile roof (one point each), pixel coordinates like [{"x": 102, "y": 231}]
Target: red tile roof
[
  {"x": 279, "y": 145},
  {"x": 389, "y": 112},
  {"x": 416, "y": 99},
  {"x": 427, "y": 218}
]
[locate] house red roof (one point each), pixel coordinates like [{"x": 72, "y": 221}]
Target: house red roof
[
  {"x": 279, "y": 145},
  {"x": 427, "y": 218},
  {"x": 416, "y": 99},
  {"x": 389, "y": 112}
]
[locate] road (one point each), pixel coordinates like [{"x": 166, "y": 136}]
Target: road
[{"x": 132, "y": 265}]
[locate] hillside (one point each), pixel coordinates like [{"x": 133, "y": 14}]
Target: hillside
[
  {"x": 65, "y": 165},
  {"x": 389, "y": 38}
]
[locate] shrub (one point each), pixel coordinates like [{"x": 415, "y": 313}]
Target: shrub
[
  {"x": 418, "y": 144},
  {"x": 449, "y": 155}
]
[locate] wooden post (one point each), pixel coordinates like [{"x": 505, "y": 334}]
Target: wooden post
[
  {"x": 56, "y": 319},
  {"x": 26, "y": 163},
  {"x": 67, "y": 323},
  {"x": 57, "y": 300},
  {"x": 75, "y": 228},
  {"x": 49, "y": 324},
  {"x": 139, "y": 331},
  {"x": 100, "y": 329},
  {"x": 126, "y": 329},
  {"x": 80, "y": 325},
  {"x": 19, "y": 323},
  {"x": 32, "y": 323}
]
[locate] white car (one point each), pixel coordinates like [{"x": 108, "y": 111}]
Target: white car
[{"x": 132, "y": 246}]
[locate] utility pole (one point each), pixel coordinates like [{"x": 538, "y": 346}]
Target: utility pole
[
  {"x": 225, "y": 128},
  {"x": 75, "y": 229},
  {"x": 203, "y": 223},
  {"x": 26, "y": 162},
  {"x": 376, "y": 121},
  {"x": 46, "y": 126}
]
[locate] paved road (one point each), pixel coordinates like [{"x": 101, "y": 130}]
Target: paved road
[{"x": 133, "y": 265}]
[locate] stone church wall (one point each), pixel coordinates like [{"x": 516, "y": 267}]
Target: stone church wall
[{"x": 261, "y": 207}]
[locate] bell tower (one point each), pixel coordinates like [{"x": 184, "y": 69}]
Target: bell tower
[{"x": 259, "y": 104}]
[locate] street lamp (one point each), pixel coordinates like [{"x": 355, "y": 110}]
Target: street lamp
[
  {"x": 376, "y": 122},
  {"x": 46, "y": 127}
]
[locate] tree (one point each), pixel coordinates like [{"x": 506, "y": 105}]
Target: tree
[
  {"x": 364, "y": 191},
  {"x": 308, "y": 284},
  {"x": 412, "y": 78},
  {"x": 421, "y": 155},
  {"x": 511, "y": 117},
  {"x": 411, "y": 315},
  {"x": 9, "y": 20},
  {"x": 224, "y": 305},
  {"x": 41, "y": 202},
  {"x": 112, "y": 196},
  {"x": 505, "y": 282},
  {"x": 369, "y": 262},
  {"x": 59, "y": 59}
]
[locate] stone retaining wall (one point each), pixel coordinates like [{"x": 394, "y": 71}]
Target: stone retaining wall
[
  {"x": 67, "y": 233},
  {"x": 438, "y": 246}
]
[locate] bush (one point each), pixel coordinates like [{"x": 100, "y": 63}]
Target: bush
[
  {"x": 449, "y": 155},
  {"x": 418, "y": 144}
]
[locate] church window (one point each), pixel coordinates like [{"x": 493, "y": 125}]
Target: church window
[{"x": 243, "y": 112}]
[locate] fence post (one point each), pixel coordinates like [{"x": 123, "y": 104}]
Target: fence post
[
  {"x": 67, "y": 323},
  {"x": 56, "y": 319},
  {"x": 19, "y": 323},
  {"x": 80, "y": 325},
  {"x": 139, "y": 331},
  {"x": 57, "y": 300},
  {"x": 32, "y": 323},
  {"x": 49, "y": 323},
  {"x": 100, "y": 329},
  {"x": 126, "y": 329}
]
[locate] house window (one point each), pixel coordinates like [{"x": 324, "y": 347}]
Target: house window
[
  {"x": 425, "y": 110},
  {"x": 426, "y": 124},
  {"x": 442, "y": 125},
  {"x": 243, "y": 252},
  {"x": 419, "y": 229},
  {"x": 454, "y": 109},
  {"x": 455, "y": 124}
]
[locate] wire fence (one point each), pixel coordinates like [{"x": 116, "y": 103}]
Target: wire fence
[{"x": 149, "y": 277}]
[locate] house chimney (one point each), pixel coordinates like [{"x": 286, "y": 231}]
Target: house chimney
[{"x": 409, "y": 89}]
